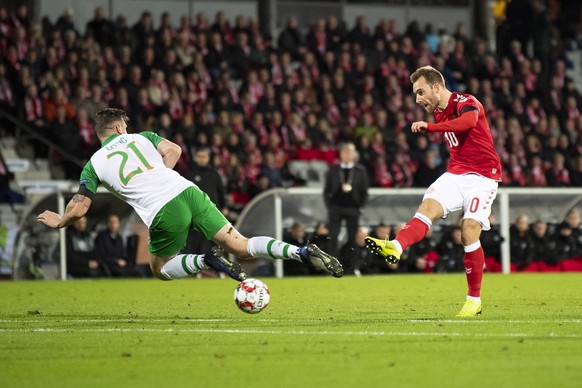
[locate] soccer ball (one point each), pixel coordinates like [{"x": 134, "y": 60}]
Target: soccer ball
[{"x": 252, "y": 296}]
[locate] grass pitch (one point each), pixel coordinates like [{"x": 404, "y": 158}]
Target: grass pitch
[{"x": 381, "y": 331}]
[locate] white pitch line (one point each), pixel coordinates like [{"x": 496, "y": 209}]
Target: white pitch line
[
  {"x": 120, "y": 320},
  {"x": 480, "y": 320},
  {"x": 299, "y": 332},
  {"x": 377, "y": 321}
]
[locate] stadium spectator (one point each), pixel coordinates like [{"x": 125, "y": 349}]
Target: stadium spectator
[
  {"x": 100, "y": 28},
  {"x": 422, "y": 256},
  {"x": 270, "y": 170},
  {"x": 543, "y": 257},
  {"x": 573, "y": 220},
  {"x": 65, "y": 22},
  {"x": 345, "y": 193},
  {"x": 142, "y": 31},
  {"x": 429, "y": 169},
  {"x": 564, "y": 242},
  {"x": 451, "y": 252},
  {"x": 111, "y": 252},
  {"x": 207, "y": 178},
  {"x": 521, "y": 245},
  {"x": 358, "y": 260},
  {"x": 58, "y": 100},
  {"x": 321, "y": 237},
  {"x": 82, "y": 260},
  {"x": 291, "y": 39},
  {"x": 491, "y": 243},
  {"x": 295, "y": 235},
  {"x": 64, "y": 132},
  {"x": 557, "y": 174},
  {"x": 7, "y": 97},
  {"x": 95, "y": 103}
]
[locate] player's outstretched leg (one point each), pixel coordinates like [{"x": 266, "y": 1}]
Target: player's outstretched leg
[
  {"x": 311, "y": 254},
  {"x": 217, "y": 260},
  {"x": 384, "y": 248}
]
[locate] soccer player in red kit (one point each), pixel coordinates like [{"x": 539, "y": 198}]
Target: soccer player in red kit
[{"x": 470, "y": 182}]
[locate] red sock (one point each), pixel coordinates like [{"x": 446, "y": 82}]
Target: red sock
[
  {"x": 474, "y": 269},
  {"x": 413, "y": 231}
]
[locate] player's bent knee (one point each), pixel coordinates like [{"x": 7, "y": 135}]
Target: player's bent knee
[
  {"x": 470, "y": 231},
  {"x": 432, "y": 209}
]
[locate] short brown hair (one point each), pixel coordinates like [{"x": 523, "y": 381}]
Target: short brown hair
[
  {"x": 430, "y": 74},
  {"x": 105, "y": 118}
]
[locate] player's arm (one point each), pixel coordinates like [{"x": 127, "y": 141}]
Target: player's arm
[
  {"x": 466, "y": 121},
  {"x": 76, "y": 208},
  {"x": 170, "y": 152}
]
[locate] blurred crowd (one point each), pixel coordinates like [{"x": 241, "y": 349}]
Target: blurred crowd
[{"x": 259, "y": 101}]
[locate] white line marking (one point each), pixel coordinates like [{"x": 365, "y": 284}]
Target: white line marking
[
  {"x": 297, "y": 332},
  {"x": 355, "y": 321}
]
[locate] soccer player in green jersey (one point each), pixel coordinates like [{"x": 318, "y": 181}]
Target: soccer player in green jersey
[{"x": 138, "y": 169}]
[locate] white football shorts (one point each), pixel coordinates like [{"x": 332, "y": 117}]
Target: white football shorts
[{"x": 471, "y": 192}]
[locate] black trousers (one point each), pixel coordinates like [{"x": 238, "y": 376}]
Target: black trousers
[{"x": 337, "y": 214}]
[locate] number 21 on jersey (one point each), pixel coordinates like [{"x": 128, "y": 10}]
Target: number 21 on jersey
[{"x": 124, "y": 176}]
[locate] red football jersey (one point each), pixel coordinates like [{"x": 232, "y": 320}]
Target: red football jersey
[{"x": 470, "y": 144}]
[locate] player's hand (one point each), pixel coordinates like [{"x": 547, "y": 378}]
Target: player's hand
[
  {"x": 419, "y": 126},
  {"x": 50, "y": 219}
]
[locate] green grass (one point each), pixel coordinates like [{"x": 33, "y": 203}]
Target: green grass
[{"x": 382, "y": 331}]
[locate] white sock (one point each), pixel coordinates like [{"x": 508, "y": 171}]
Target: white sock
[
  {"x": 397, "y": 245},
  {"x": 474, "y": 298},
  {"x": 269, "y": 247},
  {"x": 424, "y": 219},
  {"x": 182, "y": 266}
]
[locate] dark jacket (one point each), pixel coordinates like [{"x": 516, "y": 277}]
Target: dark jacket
[
  {"x": 109, "y": 248},
  {"x": 209, "y": 181},
  {"x": 451, "y": 256},
  {"x": 333, "y": 194},
  {"x": 80, "y": 250},
  {"x": 521, "y": 248}
]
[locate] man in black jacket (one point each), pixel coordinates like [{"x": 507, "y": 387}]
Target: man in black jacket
[
  {"x": 111, "y": 251},
  {"x": 82, "y": 261},
  {"x": 208, "y": 180},
  {"x": 345, "y": 193}
]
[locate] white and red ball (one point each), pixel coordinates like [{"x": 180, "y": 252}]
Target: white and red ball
[{"x": 252, "y": 296}]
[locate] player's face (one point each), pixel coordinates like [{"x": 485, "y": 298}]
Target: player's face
[{"x": 425, "y": 95}]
